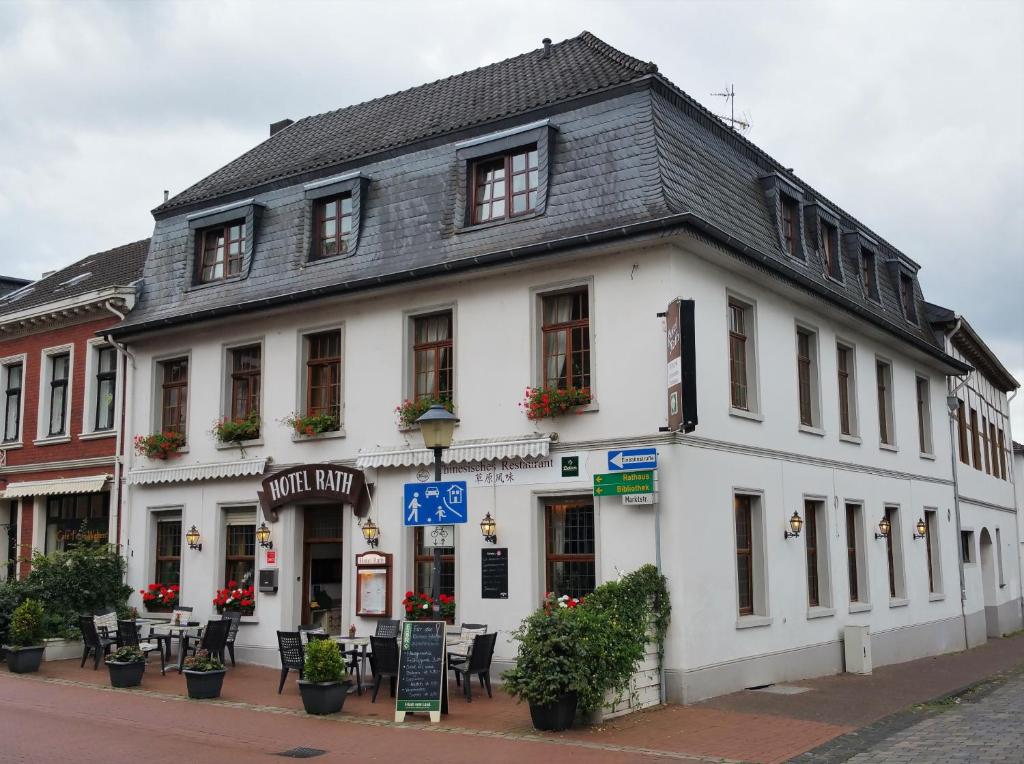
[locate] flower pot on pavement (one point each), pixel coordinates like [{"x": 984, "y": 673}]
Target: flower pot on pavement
[
  {"x": 320, "y": 698},
  {"x": 127, "y": 674},
  {"x": 204, "y": 685},
  {"x": 557, "y": 716},
  {"x": 24, "y": 660}
]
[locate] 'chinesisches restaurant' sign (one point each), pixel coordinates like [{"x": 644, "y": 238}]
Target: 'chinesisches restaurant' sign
[{"x": 313, "y": 481}]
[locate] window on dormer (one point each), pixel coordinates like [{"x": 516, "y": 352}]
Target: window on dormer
[
  {"x": 868, "y": 277},
  {"x": 333, "y": 226},
  {"x": 830, "y": 250},
  {"x": 221, "y": 249},
  {"x": 790, "y": 229},
  {"x": 505, "y": 186},
  {"x": 907, "y": 297}
]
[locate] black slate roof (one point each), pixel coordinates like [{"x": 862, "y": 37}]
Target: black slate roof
[
  {"x": 578, "y": 66},
  {"x": 970, "y": 344},
  {"x": 120, "y": 266},
  {"x": 9, "y": 283}
]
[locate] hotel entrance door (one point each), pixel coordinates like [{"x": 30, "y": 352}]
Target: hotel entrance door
[{"x": 322, "y": 558}]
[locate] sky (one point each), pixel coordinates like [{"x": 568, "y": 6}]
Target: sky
[{"x": 908, "y": 114}]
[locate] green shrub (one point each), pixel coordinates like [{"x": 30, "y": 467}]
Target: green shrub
[
  {"x": 126, "y": 655},
  {"x": 26, "y": 625},
  {"x": 203, "y": 661},
  {"x": 323, "y": 662},
  {"x": 10, "y": 597}
]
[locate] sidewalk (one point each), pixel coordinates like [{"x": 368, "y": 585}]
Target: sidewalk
[{"x": 756, "y": 726}]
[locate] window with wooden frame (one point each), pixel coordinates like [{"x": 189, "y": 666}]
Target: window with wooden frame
[
  {"x": 106, "y": 388},
  {"x": 174, "y": 395},
  {"x": 332, "y": 226},
  {"x": 504, "y": 186},
  {"x": 791, "y": 225},
  {"x": 907, "y": 298},
  {"x": 1002, "y": 455},
  {"x": 220, "y": 250},
  {"x": 246, "y": 373},
  {"x": 323, "y": 375},
  {"x": 883, "y": 382},
  {"x": 985, "y": 445},
  {"x": 931, "y": 541},
  {"x": 168, "y": 551},
  {"x": 60, "y": 370},
  {"x": 868, "y": 274},
  {"x": 744, "y": 552},
  {"x": 738, "y": 355},
  {"x": 240, "y": 548},
  {"x": 976, "y": 439},
  {"x": 569, "y": 543},
  {"x": 424, "y": 563},
  {"x": 967, "y": 546},
  {"x": 993, "y": 447},
  {"x": 811, "y": 542},
  {"x": 13, "y": 379},
  {"x": 433, "y": 357},
  {"x": 961, "y": 424},
  {"x": 847, "y": 393},
  {"x": 852, "y": 551},
  {"x": 565, "y": 340},
  {"x": 894, "y": 553},
  {"x": 924, "y": 414},
  {"x": 807, "y": 377},
  {"x": 830, "y": 250}
]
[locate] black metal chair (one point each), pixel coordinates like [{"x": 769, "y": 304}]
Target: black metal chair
[
  {"x": 474, "y": 630},
  {"x": 213, "y": 640},
  {"x": 289, "y": 646},
  {"x": 478, "y": 662},
  {"x": 128, "y": 636},
  {"x": 383, "y": 663},
  {"x": 92, "y": 641},
  {"x": 235, "y": 618},
  {"x": 388, "y": 627}
]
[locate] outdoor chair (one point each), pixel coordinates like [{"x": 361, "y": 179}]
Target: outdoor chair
[
  {"x": 128, "y": 636},
  {"x": 213, "y": 640},
  {"x": 106, "y": 624},
  {"x": 383, "y": 663},
  {"x": 236, "y": 618},
  {"x": 92, "y": 641},
  {"x": 387, "y": 627},
  {"x": 467, "y": 633},
  {"x": 477, "y": 662},
  {"x": 289, "y": 646}
]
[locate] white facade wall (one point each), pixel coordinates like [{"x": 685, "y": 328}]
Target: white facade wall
[{"x": 710, "y": 650}]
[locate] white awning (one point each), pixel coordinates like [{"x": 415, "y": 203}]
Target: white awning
[
  {"x": 89, "y": 484},
  {"x": 189, "y": 472},
  {"x": 482, "y": 450}
]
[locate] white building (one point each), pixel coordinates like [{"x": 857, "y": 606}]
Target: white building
[{"x": 821, "y": 387}]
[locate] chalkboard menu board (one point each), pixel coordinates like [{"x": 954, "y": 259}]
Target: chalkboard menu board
[
  {"x": 421, "y": 671},
  {"x": 494, "y": 574}
]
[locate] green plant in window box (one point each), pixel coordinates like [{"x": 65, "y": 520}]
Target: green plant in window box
[
  {"x": 544, "y": 402},
  {"x": 311, "y": 424},
  {"x": 228, "y": 430},
  {"x": 159, "y": 445},
  {"x": 409, "y": 411}
]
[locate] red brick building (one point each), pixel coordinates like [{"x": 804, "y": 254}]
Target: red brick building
[{"x": 62, "y": 385}]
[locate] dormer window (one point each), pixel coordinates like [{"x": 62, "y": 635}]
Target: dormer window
[
  {"x": 868, "y": 274},
  {"x": 907, "y": 298},
  {"x": 333, "y": 226},
  {"x": 830, "y": 250},
  {"x": 220, "y": 251},
  {"x": 505, "y": 186},
  {"x": 790, "y": 226}
]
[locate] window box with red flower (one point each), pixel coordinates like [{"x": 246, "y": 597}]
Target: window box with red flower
[
  {"x": 159, "y": 445},
  {"x": 311, "y": 425},
  {"x": 158, "y": 598},
  {"x": 235, "y": 598},
  {"x": 420, "y": 607},
  {"x": 544, "y": 402}
]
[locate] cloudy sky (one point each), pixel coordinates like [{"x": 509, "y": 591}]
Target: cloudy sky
[{"x": 909, "y": 114}]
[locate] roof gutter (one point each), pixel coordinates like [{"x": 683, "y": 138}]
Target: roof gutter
[{"x": 682, "y": 220}]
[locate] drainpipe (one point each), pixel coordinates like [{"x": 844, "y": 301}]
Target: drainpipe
[
  {"x": 127, "y": 357},
  {"x": 1016, "y": 512},
  {"x": 952, "y": 406}
]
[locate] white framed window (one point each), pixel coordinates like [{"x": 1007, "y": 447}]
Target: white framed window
[
  {"x": 12, "y": 384},
  {"x": 846, "y": 385},
  {"x": 933, "y": 549},
  {"x": 808, "y": 387},
  {"x": 894, "y": 556},
  {"x": 750, "y": 564},
  {"x": 922, "y": 390},
  {"x": 741, "y": 319},
  {"x": 239, "y": 548},
  {"x": 55, "y": 386},
  {"x": 815, "y": 533},
  {"x": 883, "y": 385},
  {"x": 243, "y": 381},
  {"x": 102, "y": 368},
  {"x": 171, "y": 377},
  {"x": 321, "y": 377},
  {"x": 563, "y": 330},
  {"x": 858, "y": 578}
]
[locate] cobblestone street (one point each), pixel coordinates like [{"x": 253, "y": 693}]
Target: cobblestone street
[{"x": 986, "y": 729}]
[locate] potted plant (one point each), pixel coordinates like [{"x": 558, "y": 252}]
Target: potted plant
[
  {"x": 234, "y": 597},
  {"x": 237, "y": 430},
  {"x": 420, "y": 607},
  {"x": 126, "y": 666},
  {"x": 159, "y": 445},
  {"x": 25, "y": 638},
  {"x": 311, "y": 425},
  {"x": 545, "y": 674},
  {"x": 204, "y": 675},
  {"x": 159, "y": 598},
  {"x": 543, "y": 402},
  {"x": 409, "y": 411},
  {"x": 324, "y": 684}
]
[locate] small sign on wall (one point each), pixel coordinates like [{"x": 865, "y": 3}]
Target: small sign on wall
[{"x": 272, "y": 558}]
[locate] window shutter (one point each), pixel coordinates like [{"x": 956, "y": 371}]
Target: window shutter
[{"x": 240, "y": 516}]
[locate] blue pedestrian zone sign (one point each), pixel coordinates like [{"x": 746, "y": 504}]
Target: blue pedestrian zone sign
[{"x": 435, "y": 503}]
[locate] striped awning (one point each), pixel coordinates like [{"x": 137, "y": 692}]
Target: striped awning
[
  {"x": 88, "y": 484},
  {"x": 482, "y": 450},
  {"x": 190, "y": 472}
]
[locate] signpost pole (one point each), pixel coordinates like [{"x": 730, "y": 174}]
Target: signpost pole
[{"x": 435, "y": 589}]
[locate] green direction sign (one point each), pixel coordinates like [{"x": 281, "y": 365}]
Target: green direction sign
[{"x": 623, "y": 483}]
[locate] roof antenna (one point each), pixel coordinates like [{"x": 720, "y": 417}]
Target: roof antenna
[
  {"x": 547, "y": 47},
  {"x": 167, "y": 194},
  {"x": 739, "y": 125}
]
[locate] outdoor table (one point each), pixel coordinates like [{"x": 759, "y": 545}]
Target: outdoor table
[
  {"x": 183, "y": 631},
  {"x": 356, "y": 642}
]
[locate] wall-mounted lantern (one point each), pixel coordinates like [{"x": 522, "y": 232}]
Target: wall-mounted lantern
[
  {"x": 263, "y": 536},
  {"x": 922, "y": 528},
  {"x": 371, "y": 533},
  {"x": 192, "y": 538},
  {"x": 884, "y": 527},
  {"x": 489, "y": 527},
  {"x": 796, "y": 523}
]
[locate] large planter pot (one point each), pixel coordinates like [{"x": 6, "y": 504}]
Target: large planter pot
[
  {"x": 322, "y": 698},
  {"x": 204, "y": 685},
  {"x": 24, "y": 660},
  {"x": 556, "y": 716},
  {"x": 126, "y": 674}
]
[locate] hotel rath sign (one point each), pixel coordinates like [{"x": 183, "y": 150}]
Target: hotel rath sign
[{"x": 324, "y": 482}]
